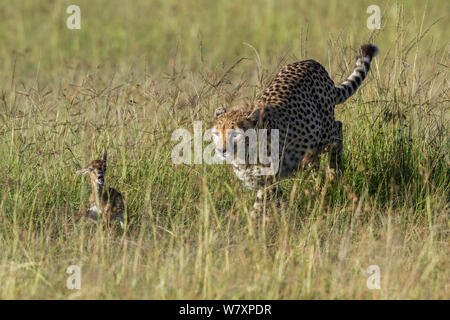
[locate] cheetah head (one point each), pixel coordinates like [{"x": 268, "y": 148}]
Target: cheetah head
[
  {"x": 96, "y": 170},
  {"x": 229, "y": 129}
]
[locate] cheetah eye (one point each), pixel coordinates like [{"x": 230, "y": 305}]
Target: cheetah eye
[{"x": 91, "y": 169}]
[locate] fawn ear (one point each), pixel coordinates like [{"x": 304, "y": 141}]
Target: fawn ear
[
  {"x": 219, "y": 111},
  {"x": 81, "y": 171},
  {"x": 104, "y": 155}
]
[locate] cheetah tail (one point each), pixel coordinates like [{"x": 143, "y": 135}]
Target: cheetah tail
[{"x": 366, "y": 53}]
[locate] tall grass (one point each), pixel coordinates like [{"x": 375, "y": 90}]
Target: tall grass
[{"x": 137, "y": 71}]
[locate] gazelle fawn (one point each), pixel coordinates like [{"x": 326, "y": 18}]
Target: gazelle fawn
[{"x": 105, "y": 203}]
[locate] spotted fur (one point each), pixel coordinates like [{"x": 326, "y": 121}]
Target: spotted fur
[{"x": 300, "y": 103}]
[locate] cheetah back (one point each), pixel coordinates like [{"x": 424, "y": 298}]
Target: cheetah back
[{"x": 300, "y": 103}]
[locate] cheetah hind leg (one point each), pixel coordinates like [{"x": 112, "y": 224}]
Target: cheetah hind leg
[{"x": 335, "y": 156}]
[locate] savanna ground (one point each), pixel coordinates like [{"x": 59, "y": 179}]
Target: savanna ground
[{"x": 137, "y": 70}]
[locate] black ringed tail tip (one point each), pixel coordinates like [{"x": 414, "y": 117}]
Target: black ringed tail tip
[
  {"x": 366, "y": 53},
  {"x": 368, "y": 50}
]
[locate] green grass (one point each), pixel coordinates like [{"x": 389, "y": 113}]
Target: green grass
[{"x": 136, "y": 71}]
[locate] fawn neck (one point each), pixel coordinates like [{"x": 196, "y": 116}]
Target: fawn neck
[{"x": 97, "y": 190}]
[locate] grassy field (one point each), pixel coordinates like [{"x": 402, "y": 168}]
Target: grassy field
[{"x": 138, "y": 70}]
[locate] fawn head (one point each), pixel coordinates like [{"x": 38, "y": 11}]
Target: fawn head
[{"x": 96, "y": 170}]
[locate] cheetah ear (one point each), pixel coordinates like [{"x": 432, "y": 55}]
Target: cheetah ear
[
  {"x": 81, "y": 171},
  {"x": 104, "y": 155},
  {"x": 219, "y": 111}
]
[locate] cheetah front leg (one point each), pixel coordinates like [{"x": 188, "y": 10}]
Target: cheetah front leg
[
  {"x": 335, "y": 148},
  {"x": 258, "y": 206},
  {"x": 274, "y": 193}
]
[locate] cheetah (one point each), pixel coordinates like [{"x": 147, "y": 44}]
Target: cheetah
[
  {"x": 299, "y": 102},
  {"x": 105, "y": 202}
]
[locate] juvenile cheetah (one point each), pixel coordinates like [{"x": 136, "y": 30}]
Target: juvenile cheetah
[{"x": 300, "y": 103}]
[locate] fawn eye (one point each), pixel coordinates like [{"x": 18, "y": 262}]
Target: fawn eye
[{"x": 90, "y": 169}]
